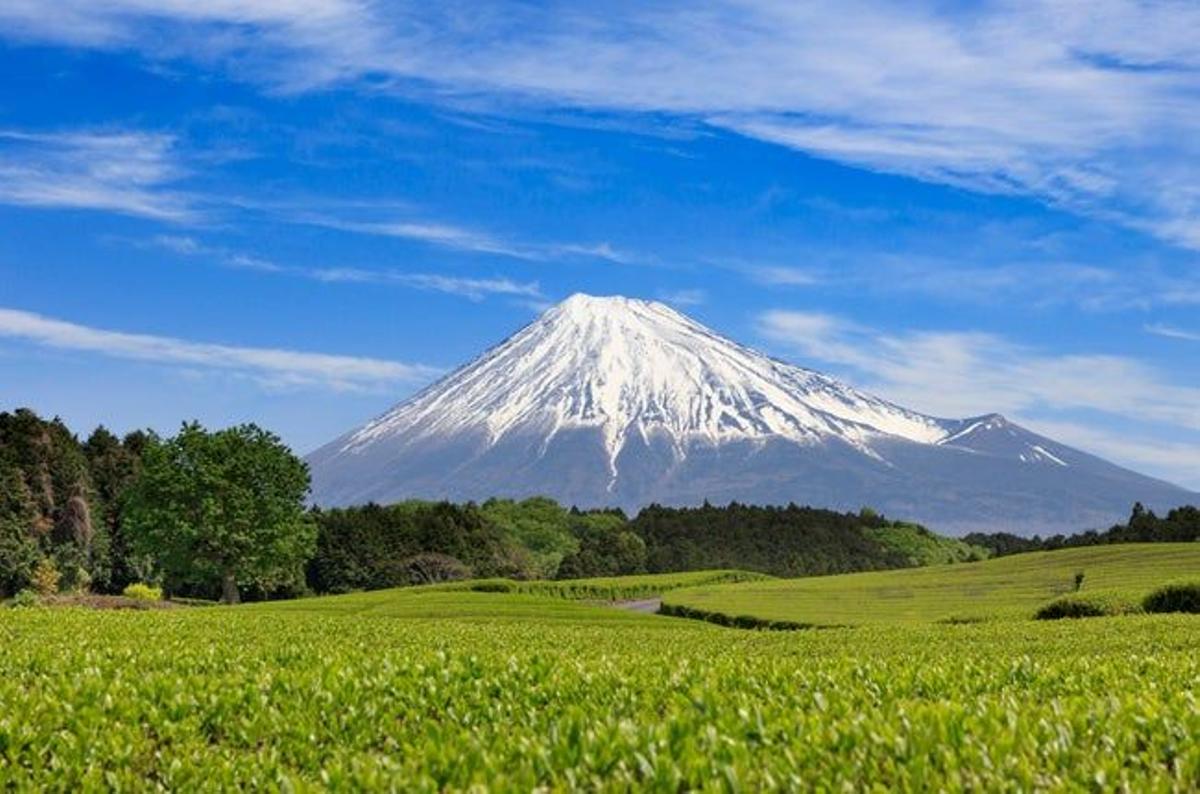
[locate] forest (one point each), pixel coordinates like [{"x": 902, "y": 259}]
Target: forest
[{"x": 224, "y": 515}]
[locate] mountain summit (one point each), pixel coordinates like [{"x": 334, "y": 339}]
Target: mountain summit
[{"x": 610, "y": 401}]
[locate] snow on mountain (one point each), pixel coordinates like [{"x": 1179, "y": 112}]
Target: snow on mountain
[
  {"x": 636, "y": 367},
  {"x": 619, "y": 401}
]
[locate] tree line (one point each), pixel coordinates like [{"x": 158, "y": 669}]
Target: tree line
[
  {"x": 1179, "y": 525},
  {"x": 223, "y": 514}
]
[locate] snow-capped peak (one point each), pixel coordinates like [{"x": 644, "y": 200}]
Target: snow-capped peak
[{"x": 629, "y": 368}]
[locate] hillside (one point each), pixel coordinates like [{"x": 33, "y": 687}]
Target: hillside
[{"x": 1007, "y": 587}]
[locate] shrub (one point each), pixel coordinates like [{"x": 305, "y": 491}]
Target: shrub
[
  {"x": 25, "y": 598},
  {"x": 143, "y": 592},
  {"x": 1176, "y": 597},
  {"x": 962, "y": 620},
  {"x": 1086, "y": 606},
  {"x": 493, "y": 586},
  {"x": 46, "y": 577},
  {"x": 81, "y": 580},
  {"x": 731, "y": 621}
]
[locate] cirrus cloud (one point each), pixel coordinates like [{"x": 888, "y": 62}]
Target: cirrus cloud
[
  {"x": 268, "y": 365},
  {"x": 1054, "y": 100}
]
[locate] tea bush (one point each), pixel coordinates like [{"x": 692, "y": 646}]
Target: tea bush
[
  {"x": 591, "y": 698},
  {"x": 1175, "y": 597},
  {"x": 1091, "y": 605}
]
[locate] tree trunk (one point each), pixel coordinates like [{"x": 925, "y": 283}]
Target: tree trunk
[{"x": 229, "y": 589}]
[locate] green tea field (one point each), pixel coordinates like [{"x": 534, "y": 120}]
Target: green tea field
[
  {"x": 437, "y": 689},
  {"x": 1012, "y": 587}
]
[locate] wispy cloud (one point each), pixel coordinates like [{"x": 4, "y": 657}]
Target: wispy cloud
[
  {"x": 1158, "y": 329},
  {"x": 685, "y": 297},
  {"x": 132, "y": 173},
  {"x": 472, "y": 288},
  {"x": 268, "y": 365},
  {"x": 1047, "y": 99},
  {"x": 785, "y": 276},
  {"x": 475, "y": 289},
  {"x": 438, "y": 234},
  {"x": 988, "y": 277},
  {"x": 460, "y": 238},
  {"x": 966, "y": 373}
]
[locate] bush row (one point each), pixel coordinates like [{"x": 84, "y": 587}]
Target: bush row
[
  {"x": 732, "y": 621},
  {"x": 1174, "y": 597}
]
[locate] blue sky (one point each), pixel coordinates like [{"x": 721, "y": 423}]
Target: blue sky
[{"x": 297, "y": 212}]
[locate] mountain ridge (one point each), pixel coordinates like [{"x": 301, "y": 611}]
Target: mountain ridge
[{"x": 623, "y": 402}]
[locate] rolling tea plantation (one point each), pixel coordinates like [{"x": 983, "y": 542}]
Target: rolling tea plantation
[
  {"x": 1007, "y": 587},
  {"x": 436, "y": 689}
]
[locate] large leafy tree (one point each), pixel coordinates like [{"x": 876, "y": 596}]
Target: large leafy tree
[
  {"x": 222, "y": 507},
  {"x": 538, "y": 524}
]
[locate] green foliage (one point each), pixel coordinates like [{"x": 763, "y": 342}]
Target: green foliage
[
  {"x": 1180, "y": 525},
  {"x": 78, "y": 581},
  {"x": 19, "y": 552},
  {"x": 1014, "y": 587},
  {"x": 224, "y": 509},
  {"x": 143, "y": 592},
  {"x": 114, "y": 465},
  {"x": 1089, "y": 605},
  {"x": 62, "y": 499},
  {"x": 783, "y": 541},
  {"x": 539, "y": 525},
  {"x": 919, "y": 546},
  {"x": 492, "y": 586},
  {"x": 1174, "y": 597},
  {"x": 732, "y": 621},
  {"x": 516, "y": 693},
  {"x": 367, "y": 548},
  {"x": 25, "y": 599},
  {"x": 606, "y": 547}
]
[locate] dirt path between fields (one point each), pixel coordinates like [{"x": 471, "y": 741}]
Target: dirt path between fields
[{"x": 647, "y": 605}]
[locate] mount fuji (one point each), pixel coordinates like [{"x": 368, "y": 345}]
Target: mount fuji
[{"x": 610, "y": 401}]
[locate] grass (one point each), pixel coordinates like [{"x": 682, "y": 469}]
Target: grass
[{"x": 1013, "y": 586}]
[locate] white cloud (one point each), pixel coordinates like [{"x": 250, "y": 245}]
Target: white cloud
[
  {"x": 1158, "y": 329},
  {"x": 990, "y": 277},
  {"x": 438, "y": 234},
  {"x": 685, "y": 297},
  {"x": 475, "y": 289},
  {"x": 958, "y": 374},
  {"x": 460, "y": 238},
  {"x": 126, "y": 172},
  {"x": 1051, "y": 99},
  {"x": 785, "y": 276},
  {"x": 961, "y": 373},
  {"x": 269, "y": 365},
  {"x": 1174, "y": 460}
]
